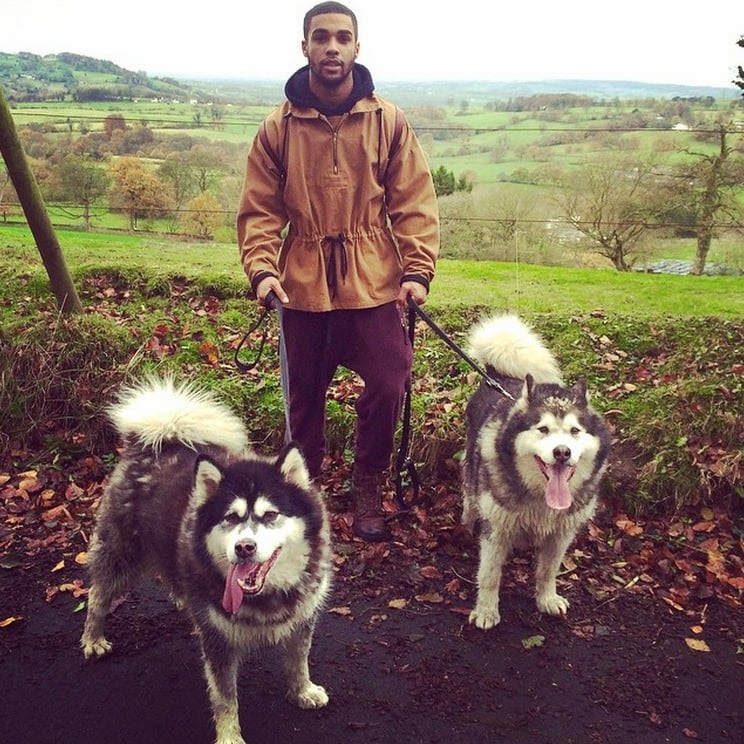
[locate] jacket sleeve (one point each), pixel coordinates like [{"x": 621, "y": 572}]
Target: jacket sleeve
[
  {"x": 261, "y": 214},
  {"x": 413, "y": 209}
]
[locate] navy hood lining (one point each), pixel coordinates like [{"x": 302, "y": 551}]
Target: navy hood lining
[{"x": 298, "y": 90}]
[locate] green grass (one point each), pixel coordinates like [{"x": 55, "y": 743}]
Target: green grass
[
  {"x": 515, "y": 287},
  {"x": 662, "y": 354}
]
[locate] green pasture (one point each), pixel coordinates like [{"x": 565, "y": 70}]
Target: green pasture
[
  {"x": 494, "y": 146},
  {"x": 516, "y": 287},
  {"x": 660, "y": 352}
]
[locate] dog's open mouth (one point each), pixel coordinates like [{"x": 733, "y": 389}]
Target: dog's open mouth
[
  {"x": 245, "y": 579},
  {"x": 557, "y": 475}
]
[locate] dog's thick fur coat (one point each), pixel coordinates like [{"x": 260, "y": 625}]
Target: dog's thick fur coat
[
  {"x": 242, "y": 541},
  {"x": 533, "y": 463}
]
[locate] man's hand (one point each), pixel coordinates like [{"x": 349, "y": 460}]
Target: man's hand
[
  {"x": 411, "y": 289},
  {"x": 268, "y": 285}
]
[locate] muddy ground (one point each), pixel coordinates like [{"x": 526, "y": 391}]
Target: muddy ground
[{"x": 619, "y": 668}]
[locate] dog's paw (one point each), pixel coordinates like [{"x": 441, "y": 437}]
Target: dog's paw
[
  {"x": 228, "y": 728},
  {"x": 230, "y": 738},
  {"x": 311, "y": 696},
  {"x": 552, "y": 604},
  {"x": 94, "y": 648},
  {"x": 485, "y": 619}
]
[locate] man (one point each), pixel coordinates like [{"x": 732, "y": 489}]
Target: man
[{"x": 344, "y": 171}]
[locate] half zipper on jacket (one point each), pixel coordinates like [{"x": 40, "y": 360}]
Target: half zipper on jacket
[{"x": 334, "y": 140}]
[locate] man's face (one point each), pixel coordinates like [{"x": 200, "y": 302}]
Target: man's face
[{"x": 330, "y": 48}]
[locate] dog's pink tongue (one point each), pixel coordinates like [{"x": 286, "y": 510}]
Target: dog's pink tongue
[
  {"x": 557, "y": 494},
  {"x": 233, "y": 596}
]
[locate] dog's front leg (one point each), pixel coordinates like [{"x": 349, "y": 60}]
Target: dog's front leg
[
  {"x": 549, "y": 556},
  {"x": 493, "y": 553},
  {"x": 221, "y": 671},
  {"x": 302, "y": 691},
  {"x": 93, "y": 642}
]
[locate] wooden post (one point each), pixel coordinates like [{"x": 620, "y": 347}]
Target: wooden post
[{"x": 36, "y": 214}]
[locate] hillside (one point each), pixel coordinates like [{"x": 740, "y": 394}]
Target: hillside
[
  {"x": 27, "y": 77},
  {"x": 72, "y": 77}
]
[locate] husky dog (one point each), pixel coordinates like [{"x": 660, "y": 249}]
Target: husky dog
[
  {"x": 242, "y": 541},
  {"x": 533, "y": 462}
]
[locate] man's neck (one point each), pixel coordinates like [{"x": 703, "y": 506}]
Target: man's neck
[{"x": 332, "y": 97}]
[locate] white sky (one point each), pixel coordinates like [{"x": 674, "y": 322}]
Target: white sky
[{"x": 663, "y": 41}]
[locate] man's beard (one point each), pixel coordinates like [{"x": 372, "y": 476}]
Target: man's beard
[{"x": 333, "y": 83}]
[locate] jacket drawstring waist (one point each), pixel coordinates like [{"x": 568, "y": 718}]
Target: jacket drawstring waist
[{"x": 334, "y": 247}]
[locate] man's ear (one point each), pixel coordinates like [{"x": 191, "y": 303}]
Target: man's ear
[{"x": 304, "y": 48}]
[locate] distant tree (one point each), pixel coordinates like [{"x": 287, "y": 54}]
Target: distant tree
[
  {"x": 704, "y": 186},
  {"x": 80, "y": 182},
  {"x": 134, "y": 140},
  {"x": 176, "y": 171},
  {"x": 445, "y": 182},
  {"x": 739, "y": 81},
  {"x": 206, "y": 167},
  {"x": 138, "y": 191},
  {"x": 7, "y": 193},
  {"x": 203, "y": 216},
  {"x": 611, "y": 202},
  {"x": 113, "y": 122}
]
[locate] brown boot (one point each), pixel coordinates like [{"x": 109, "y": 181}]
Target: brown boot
[{"x": 366, "y": 497}]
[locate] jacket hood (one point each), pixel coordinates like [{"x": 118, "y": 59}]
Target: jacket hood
[{"x": 298, "y": 90}]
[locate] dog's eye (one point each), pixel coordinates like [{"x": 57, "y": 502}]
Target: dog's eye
[
  {"x": 575, "y": 431},
  {"x": 232, "y": 518},
  {"x": 270, "y": 517},
  {"x": 543, "y": 429}
]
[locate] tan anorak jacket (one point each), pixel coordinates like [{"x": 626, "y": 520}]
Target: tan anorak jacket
[{"x": 358, "y": 225}]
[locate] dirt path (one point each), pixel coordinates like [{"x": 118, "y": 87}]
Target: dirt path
[{"x": 616, "y": 670}]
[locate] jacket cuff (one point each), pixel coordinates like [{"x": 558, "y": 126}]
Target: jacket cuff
[
  {"x": 415, "y": 278},
  {"x": 259, "y": 278}
]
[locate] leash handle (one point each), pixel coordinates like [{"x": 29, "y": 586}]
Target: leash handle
[{"x": 272, "y": 301}]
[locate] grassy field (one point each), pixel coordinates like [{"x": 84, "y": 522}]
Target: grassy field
[
  {"x": 516, "y": 161},
  {"x": 515, "y": 287},
  {"x": 663, "y": 355}
]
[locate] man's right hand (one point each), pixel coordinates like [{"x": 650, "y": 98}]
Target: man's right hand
[{"x": 268, "y": 285}]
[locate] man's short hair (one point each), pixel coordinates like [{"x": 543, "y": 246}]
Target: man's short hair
[{"x": 329, "y": 7}]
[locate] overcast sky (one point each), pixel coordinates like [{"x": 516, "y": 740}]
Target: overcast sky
[{"x": 662, "y": 41}]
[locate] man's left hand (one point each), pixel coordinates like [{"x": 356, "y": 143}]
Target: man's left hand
[{"x": 411, "y": 289}]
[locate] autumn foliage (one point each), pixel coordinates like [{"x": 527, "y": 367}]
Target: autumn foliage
[{"x": 670, "y": 525}]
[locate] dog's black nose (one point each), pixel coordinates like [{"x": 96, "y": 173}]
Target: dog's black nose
[
  {"x": 245, "y": 549},
  {"x": 562, "y": 454}
]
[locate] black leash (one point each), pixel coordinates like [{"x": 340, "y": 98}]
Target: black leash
[
  {"x": 418, "y": 310},
  {"x": 272, "y": 301},
  {"x": 404, "y": 464}
]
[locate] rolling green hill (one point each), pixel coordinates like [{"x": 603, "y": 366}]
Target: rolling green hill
[
  {"x": 27, "y": 77},
  {"x": 73, "y": 77}
]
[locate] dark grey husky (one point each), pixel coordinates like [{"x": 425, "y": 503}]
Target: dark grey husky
[
  {"x": 533, "y": 463},
  {"x": 243, "y": 542}
]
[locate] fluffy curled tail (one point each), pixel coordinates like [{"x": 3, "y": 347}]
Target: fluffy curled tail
[
  {"x": 513, "y": 349},
  {"x": 158, "y": 411}
]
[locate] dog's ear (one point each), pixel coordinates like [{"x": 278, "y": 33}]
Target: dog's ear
[
  {"x": 529, "y": 387},
  {"x": 293, "y": 467},
  {"x": 207, "y": 479},
  {"x": 580, "y": 391}
]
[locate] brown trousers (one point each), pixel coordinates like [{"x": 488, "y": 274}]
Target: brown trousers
[{"x": 372, "y": 342}]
